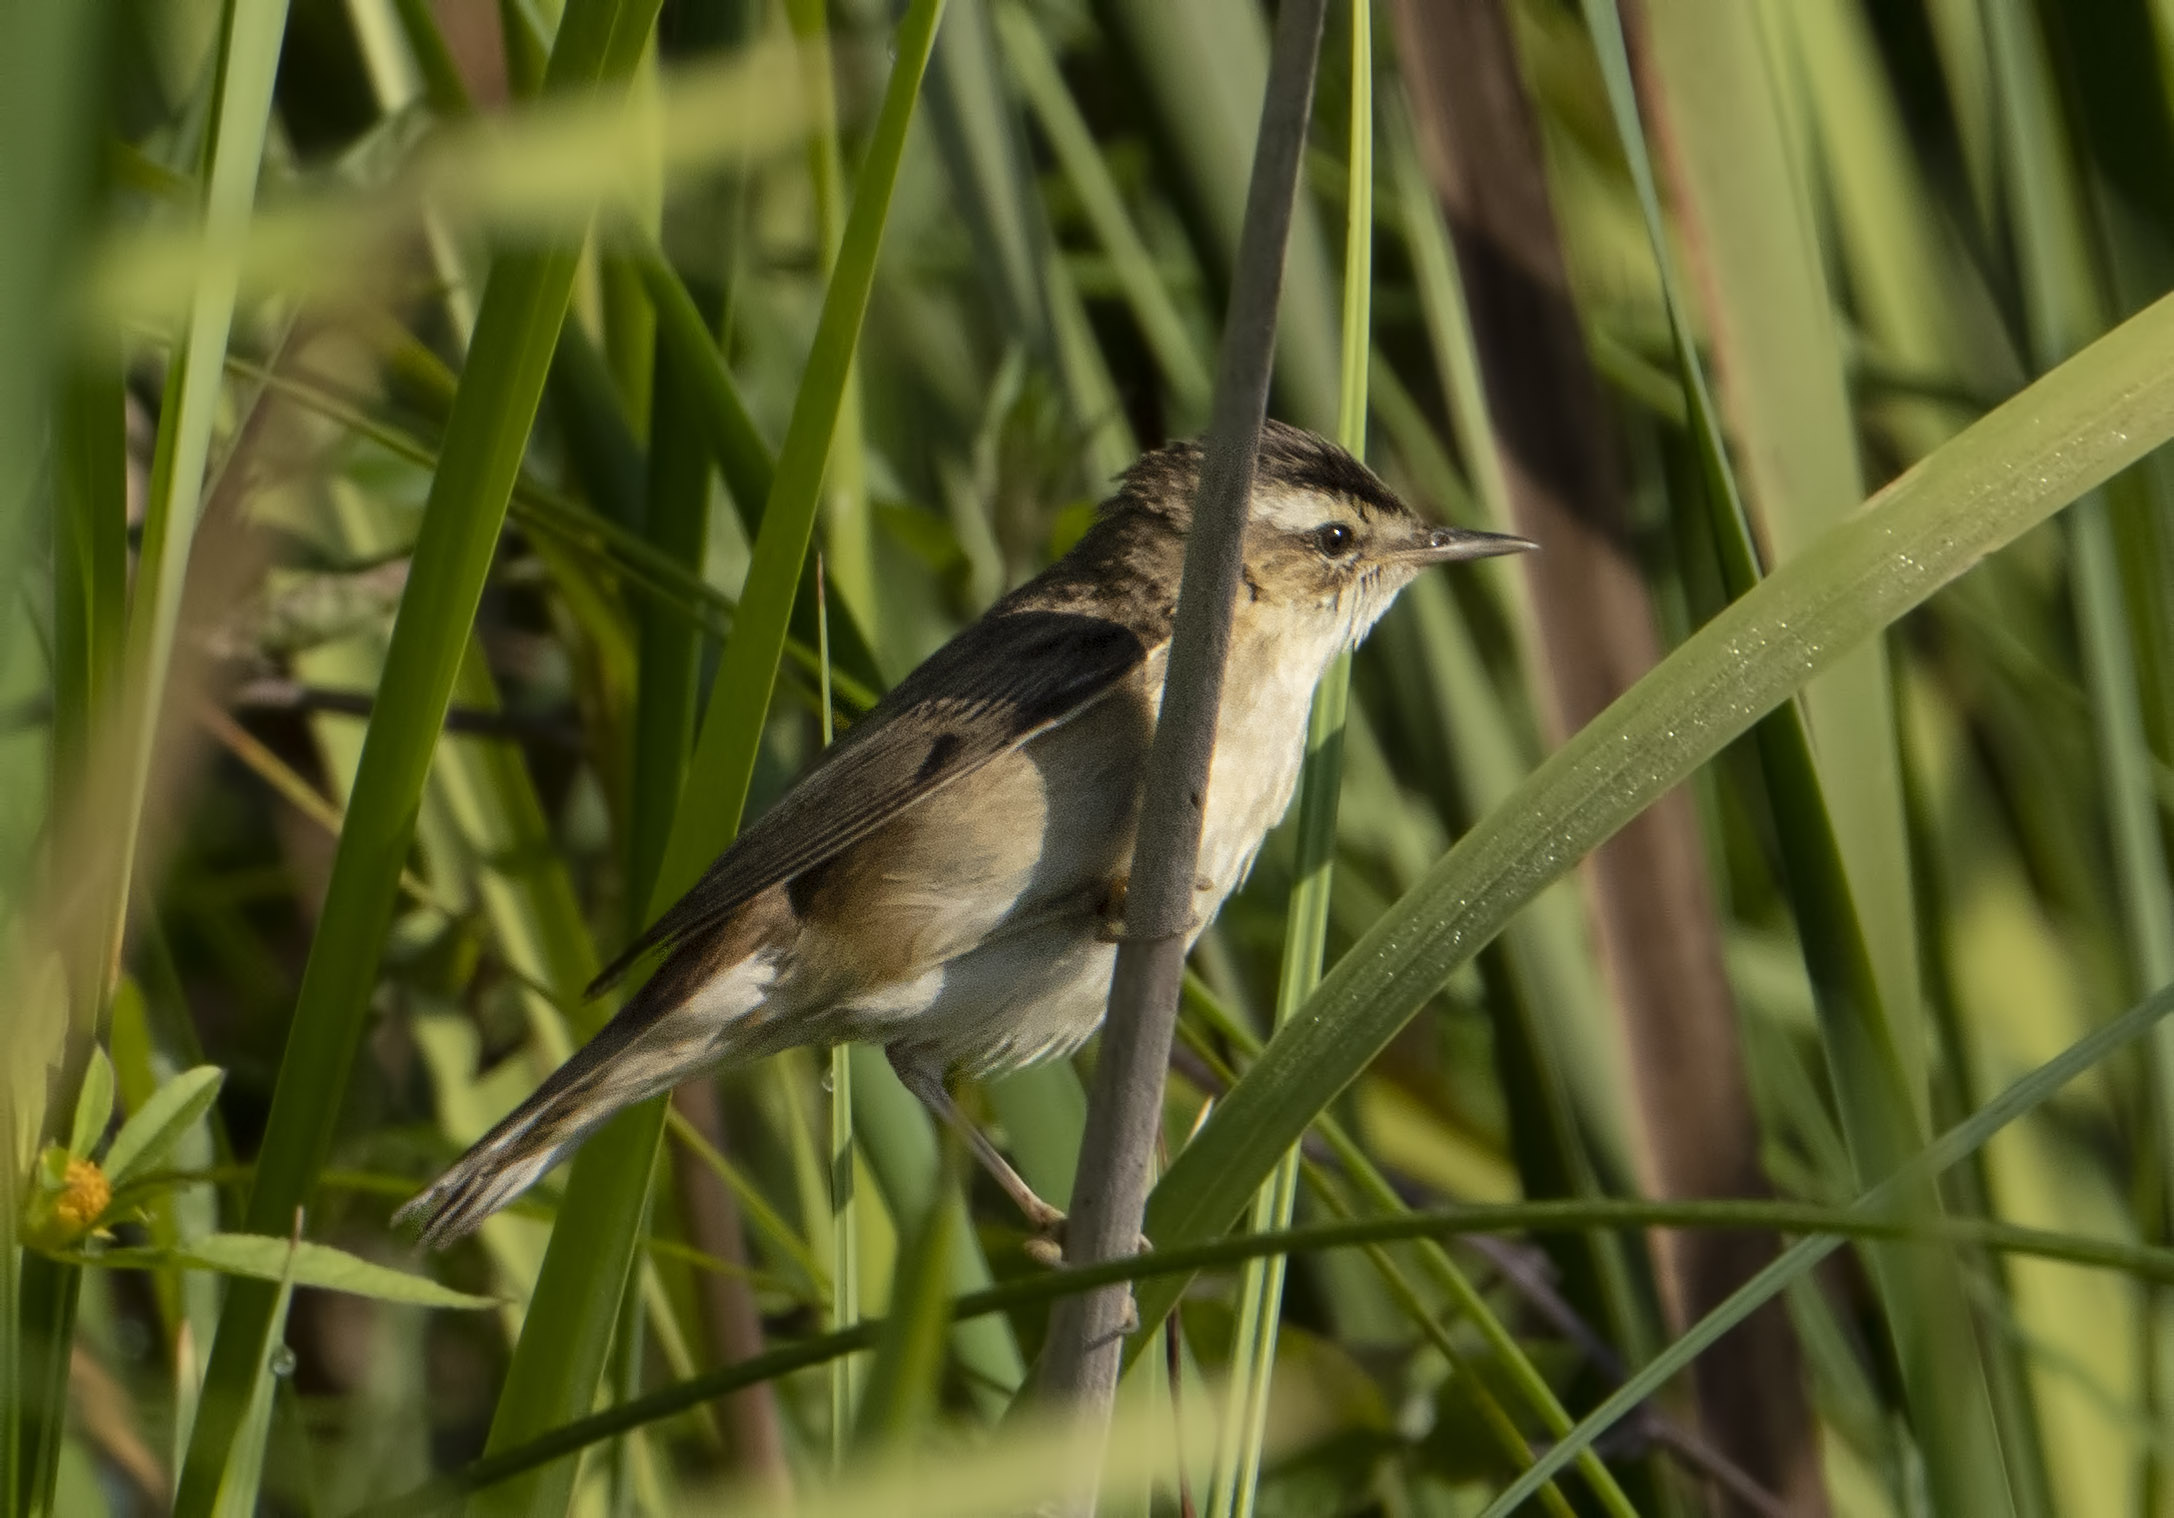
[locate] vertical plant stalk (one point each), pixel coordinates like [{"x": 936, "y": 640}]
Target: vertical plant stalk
[
  {"x": 1306, "y": 918},
  {"x": 554, "y": 1373},
  {"x": 1652, "y": 905},
  {"x": 496, "y": 402},
  {"x": 845, "y": 1239},
  {"x": 1124, "y": 1110}
]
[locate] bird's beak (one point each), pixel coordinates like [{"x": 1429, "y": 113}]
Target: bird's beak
[{"x": 1450, "y": 545}]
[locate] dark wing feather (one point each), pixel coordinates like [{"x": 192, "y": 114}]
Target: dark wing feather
[{"x": 1006, "y": 678}]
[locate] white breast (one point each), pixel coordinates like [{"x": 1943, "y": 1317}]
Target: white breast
[{"x": 1260, "y": 745}]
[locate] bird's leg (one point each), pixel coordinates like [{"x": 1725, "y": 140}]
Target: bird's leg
[
  {"x": 1046, "y": 1247},
  {"x": 1046, "y": 1221}
]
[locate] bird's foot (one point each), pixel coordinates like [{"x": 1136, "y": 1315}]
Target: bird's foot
[
  {"x": 1111, "y": 908},
  {"x": 1046, "y": 1248}
]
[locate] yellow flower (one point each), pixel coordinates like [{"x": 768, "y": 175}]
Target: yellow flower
[{"x": 84, "y": 1198}]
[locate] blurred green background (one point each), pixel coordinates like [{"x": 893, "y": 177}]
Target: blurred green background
[{"x": 1671, "y": 289}]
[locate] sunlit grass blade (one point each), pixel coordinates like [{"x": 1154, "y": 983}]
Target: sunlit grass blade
[
  {"x": 2018, "y": 466},
  {"x": 553, "y": 1378}
]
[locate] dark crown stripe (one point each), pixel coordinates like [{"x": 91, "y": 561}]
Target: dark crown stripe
[{"x": 1165, "y": 479}]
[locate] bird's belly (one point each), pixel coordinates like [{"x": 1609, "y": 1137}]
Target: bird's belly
[{"x": 1015, "y": 1001}]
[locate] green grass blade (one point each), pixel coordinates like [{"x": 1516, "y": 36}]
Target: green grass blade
[
  {"x": 1903, "y": 281},
  {"x": 677, "y": 525},
  {"x": 90, "y": 564},
  {"x": 2064, "y": 305},
  {"x": 516, "y": 332},
  {"x": 2020, "y": 465},
  {"x": 1786, "y": 400},
  {"x": 902, "y": 1382},
  {"x": 2060, "y": 233},
  {"x": 745, "y": 462},
  {"x": 741, "y": 692},
  {"x": 1448, "y": 323},
  {"x": 240, "y": 107},
  {"x": 591, "y": 1248},
  {"x": 243, "y": 1477}
]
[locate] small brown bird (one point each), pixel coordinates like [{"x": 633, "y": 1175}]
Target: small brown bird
[{"x": 949, "y": 880}]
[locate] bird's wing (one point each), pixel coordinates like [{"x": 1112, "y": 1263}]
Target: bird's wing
[{"x": 1002, "y": 681}]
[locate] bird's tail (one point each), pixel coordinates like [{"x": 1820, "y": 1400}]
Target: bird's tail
[{"x": 644, "y": 1050}]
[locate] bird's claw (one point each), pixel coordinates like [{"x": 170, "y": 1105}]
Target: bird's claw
[
  {"x": 1046, "y": 1245},
  {"x": 1046, "y": 1248},
  {"x": 1111, "y": 908}
]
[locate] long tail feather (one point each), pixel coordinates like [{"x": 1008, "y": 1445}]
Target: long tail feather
[{"x": 642, "y": 1051}]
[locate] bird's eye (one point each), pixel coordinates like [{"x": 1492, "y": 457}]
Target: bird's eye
[{"x": 1332, "y": 538}]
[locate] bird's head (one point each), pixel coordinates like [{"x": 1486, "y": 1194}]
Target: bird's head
[{"x": 1326, "y": 541}]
